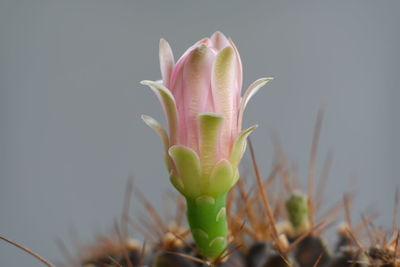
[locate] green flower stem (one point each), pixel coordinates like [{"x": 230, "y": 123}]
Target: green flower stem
[{"x": 207, "y": 220}]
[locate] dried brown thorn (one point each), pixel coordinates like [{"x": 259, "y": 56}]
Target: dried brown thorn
[{"x": 27, "y": 250}]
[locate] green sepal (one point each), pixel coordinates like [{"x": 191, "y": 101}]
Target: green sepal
[
  {"x": 177, "y": 183},
  {"x": 250, "y": 92},
  {"x": 239, "y": 145},
  {"x": 168, "y": 103},
  {"x": 156, "y": 126},
  {"x": 187, "y": 165},
  {"x": 221, "y": 179},
  {"x": 236, "y": 176}
]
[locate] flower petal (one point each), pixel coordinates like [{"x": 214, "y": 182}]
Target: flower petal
[
  {"x": 252, "y": 90},
  {"x": 239, "y": 73},
  {"x": 210, "y": 128},
  {"x": 239, "y": 146},
  {"x": 179, "y": 64},
  {"x": 223, "y": 90},
  {"x": 219, "y": 40},
  {"x": 187, "y": 164},
  {"x": 197, "y": 84},
  {"x": 168, "y": 102},
  {"x": 167, "y": 62}
]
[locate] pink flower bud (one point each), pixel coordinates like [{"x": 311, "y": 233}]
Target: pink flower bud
[
  {"x": 201, "y": 97},
  {"x": 207, "y": 78}
]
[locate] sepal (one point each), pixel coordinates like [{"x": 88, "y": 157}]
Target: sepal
[
  {"x": 250, "y": 92},
  {"x": 221, "y": 178},
  {"x": 168, "y": 103},
  {"x": 156, "y": 126},
  {"x": 239, "y": 145},
  {"x": 187, "y": 165}
]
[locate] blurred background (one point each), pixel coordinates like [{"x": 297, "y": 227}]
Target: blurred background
[{"x": 70, "y": 102}]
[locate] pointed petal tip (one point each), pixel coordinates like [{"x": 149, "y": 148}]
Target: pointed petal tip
[
  {"x": 152, "y": 123},
  {"x": 164, "y": 42},
  {"x": 263, "y": 81},
  {"x": 219, "y": 34},
  {"x": 147, "y": 119},
  {"x": 151, "y": 83},
  {"x": 268, "y": 79},
  {"x": 145, "y": 82},
  {"x": 164, "y": 45},
  {"x": 251, "y": 128}
]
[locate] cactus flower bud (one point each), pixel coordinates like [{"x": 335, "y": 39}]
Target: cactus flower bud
[
  {"x": 297, "y": 209},
  {"x": 201, "y": 98}
]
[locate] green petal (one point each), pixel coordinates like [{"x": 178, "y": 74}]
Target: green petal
[
  {"x": 168, "y": 102},
  {"x": 210, "y": 125},
  {"x": 221, "y": 178},
  {"x": 187, "y": 164},
  {"x": 252, "y": 90},
  {"x": 240, "y": 145}
]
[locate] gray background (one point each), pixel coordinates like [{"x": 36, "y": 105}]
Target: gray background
[{"x": 70, "y": 101}]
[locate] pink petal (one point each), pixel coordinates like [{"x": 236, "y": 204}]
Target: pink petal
[
  {"x": 219, "y": 41},
  {"x": 179, "y": 64},
  {"x": 197, "y": 84},
  {"x": 239, "y": 73},
  {"x": 167, "y": 61},
  {"x": 180, "y": 104},
  {"x": 223, "y": 84}
]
